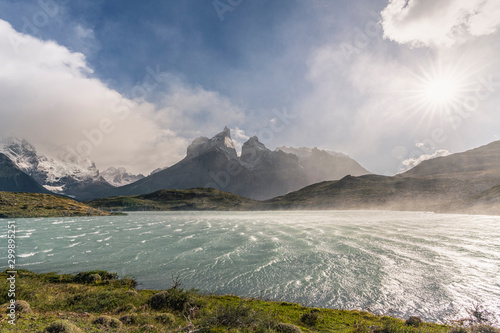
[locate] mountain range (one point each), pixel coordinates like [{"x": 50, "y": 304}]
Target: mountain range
[
  {"x": 258, "y": 173},
  {"x": 462, "y": 182},
  {"x": 61, "y": 171},
  {"x": 286, "y": 178}
]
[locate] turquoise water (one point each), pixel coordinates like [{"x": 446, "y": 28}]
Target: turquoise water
[{"x": 394, "y": 263}]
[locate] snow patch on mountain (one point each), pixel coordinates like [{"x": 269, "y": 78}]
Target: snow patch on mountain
[
  {"x": 305, "y": 152},
  {"x": 119, "y": 176},
  {"x": 54, "y": 170}
]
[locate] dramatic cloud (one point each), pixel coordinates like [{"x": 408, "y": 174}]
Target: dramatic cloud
[
  {"x": 49, "y": 97},
  {"x": 375, "y": 100},
  {"x": 439, "y": 22},
  {"x": 410, "y": 163}
]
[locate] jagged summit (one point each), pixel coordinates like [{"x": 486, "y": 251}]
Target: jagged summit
[
  {"x": 58, "y": 170},
  {"x": 120, "y": 176},
  {"x": 221, "y": 141},
  {"x": 254, "y": 152}
]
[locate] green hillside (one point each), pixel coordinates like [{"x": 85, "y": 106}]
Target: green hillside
[
  {"x": 15, "y": 204},
  {"x": 166, "y": 200}
]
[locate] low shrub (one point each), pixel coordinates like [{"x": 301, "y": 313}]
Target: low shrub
[
  {"x": 165, "y": 318},
  {"x": 132, "y": 319},
  {"x": 94, "y": 276},
  {"x": 414, "y": 321},
  {"x": 483, "y": 328},
  {"x": 176, "y": 299},
  {"x": 22, "y": 306},
  {"x": 62, "y": 326},
  {"x": 125, "y": 308},
  {"x": 107, "y": 321},
  {"x": 310, "y": 318},
  {"x": 239, "y": 316},
  {"x": 127, "y": 281},
  {"x": 287, "y": 328}
]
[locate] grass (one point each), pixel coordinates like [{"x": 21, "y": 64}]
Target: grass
[
  {"x": 79, "y": 303},
  {"x": 15, "y": 204}
]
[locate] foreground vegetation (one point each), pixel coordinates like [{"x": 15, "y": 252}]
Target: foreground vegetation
[
  {"x": 14, "y": 204},
  {"x": 98, "y": 301}
]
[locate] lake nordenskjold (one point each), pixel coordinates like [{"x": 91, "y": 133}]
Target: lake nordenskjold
[{"x": 394, "y": 263}]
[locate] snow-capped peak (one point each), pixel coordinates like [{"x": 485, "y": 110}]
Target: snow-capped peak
[
  {"x": 119, "y": 176},
  {"x": 54, "y": 170},
  {"x": 305, "y": 152}
]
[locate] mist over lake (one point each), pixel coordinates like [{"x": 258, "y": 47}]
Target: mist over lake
[{"x": 395, "y": 263}]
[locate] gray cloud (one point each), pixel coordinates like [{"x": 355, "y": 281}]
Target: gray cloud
[
  {"x": 49, "y": 96},
  {"x": 439, "y": 22}
]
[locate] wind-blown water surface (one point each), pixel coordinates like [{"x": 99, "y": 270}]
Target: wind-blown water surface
[{"x": 396, "y": 263}]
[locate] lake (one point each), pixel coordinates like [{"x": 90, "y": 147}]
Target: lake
[{"x": 394, "y": 263}]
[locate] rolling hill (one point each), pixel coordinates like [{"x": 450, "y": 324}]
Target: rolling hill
[
  {"x": 166, "y": 200},
  {"x": 13, "y": 205}
]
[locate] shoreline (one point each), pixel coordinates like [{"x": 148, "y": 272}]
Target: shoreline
[{"x": 127, "y": 309}]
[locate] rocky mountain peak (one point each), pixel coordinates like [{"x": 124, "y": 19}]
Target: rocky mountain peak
[
  {"x": 119, "y": 176},
  {"x": 221, "y": 141},
  {"x": 253, "y": 151},
  {"x": 55, "y": 170}
]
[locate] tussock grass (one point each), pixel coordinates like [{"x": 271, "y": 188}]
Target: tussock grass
[{"x": 86, "y": 303}]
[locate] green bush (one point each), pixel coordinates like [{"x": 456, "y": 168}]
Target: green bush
[
  {"x": 175, "y": 298},
  {"x": 414, "y": 321},
  {"x": 310, "y": 318},
  {"x": 62, "y": 326}
]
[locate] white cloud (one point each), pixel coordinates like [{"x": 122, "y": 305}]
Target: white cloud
[
  {"x": 194, "y": 111},
  {"x": 239, "y": 138},
  {"x": 49, "y": 97},
  {"x": 410, "y": 163},
  {"x": 439, "y": 22}
]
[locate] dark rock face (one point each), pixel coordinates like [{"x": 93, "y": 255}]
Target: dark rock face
[
  {"x": 258, "y": 173},
  {"x": 14, "y": 180}
]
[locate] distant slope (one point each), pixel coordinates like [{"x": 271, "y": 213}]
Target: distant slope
[
  {"x": 486, "y": 202},
  {"x": 320, "y": 165},
  {"x": 364, "y": 192},
  {"x": 166, "y": 200},
  {"x": 479, "y": 162},
  {"x": 14, "y": 205},
  {"x": 448, "y": 183},
  {"x": 14, "y": 180}
]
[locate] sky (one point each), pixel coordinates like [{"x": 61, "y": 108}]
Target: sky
[{"x": 129, "y": 83}]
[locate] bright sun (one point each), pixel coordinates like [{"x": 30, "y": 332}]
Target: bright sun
[
  {"x": 438, "y": 90},
  {"x": 441, "y": 91}
]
